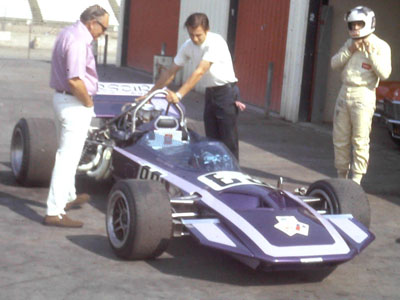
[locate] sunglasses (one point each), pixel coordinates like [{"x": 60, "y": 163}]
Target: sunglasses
[{"x": 104, "y": 28}]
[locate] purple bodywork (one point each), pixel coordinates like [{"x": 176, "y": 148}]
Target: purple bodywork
[{"x": 260, "y": 225}]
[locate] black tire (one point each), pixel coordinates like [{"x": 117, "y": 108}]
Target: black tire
[
  {"x": 341, "y": 196},
  {"x": 33, "y": 150},
  {"x": 138, "y": 219}
]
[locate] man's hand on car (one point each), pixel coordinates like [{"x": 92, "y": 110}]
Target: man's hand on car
[{"x": 172, "y": 97}]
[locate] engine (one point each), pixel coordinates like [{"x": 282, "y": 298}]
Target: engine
[{"x": 96, "y": 155}]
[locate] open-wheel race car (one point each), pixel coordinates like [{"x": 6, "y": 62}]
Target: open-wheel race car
[{"x": 170, "y": 182}]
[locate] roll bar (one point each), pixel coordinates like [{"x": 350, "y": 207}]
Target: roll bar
[{"x": 147, "y": 99}]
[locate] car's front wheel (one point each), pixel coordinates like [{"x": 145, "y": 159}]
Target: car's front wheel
[
  {"x": 138, "y": 219},
  {"x": 340, "y": 196}
]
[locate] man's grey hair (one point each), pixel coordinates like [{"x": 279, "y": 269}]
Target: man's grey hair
[{"x": 92, "y": 13}]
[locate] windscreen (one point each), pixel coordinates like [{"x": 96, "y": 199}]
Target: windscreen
[{"x": 200, "y": 156}]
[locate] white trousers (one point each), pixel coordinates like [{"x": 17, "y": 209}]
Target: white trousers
[
  {"x": 352, "y": 122},
  {"x": 73, "y": 121}
]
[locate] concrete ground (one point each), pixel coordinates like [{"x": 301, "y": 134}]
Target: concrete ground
[{"x": 39, "y": 262}]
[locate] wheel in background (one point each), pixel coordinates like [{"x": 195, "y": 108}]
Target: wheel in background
[{"x": 33, "y": 149}]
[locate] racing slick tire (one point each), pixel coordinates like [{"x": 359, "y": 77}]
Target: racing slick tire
[
  {"x": 341, "y": 196},
  {"x": 33, "y": 150},
  {"x": 138, "y": 219}
]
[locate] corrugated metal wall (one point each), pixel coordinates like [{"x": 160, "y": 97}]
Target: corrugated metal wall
[
  {"x": 261, "y": 39},
  {"x": 217, "y": 12},
  {"x": 152, "y": 22}
]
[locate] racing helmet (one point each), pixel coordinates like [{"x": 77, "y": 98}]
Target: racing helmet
[{"x": 363, "y": 14}]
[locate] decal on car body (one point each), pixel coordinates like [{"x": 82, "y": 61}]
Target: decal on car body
[
  {"x": 290, "y": 225},
  {"x": 226, "y": 179},
  {"x": 128, "y": 89},
  {"x": 149, "y": 173}
]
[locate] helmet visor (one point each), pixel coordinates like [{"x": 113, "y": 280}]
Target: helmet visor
[{"x": 356, "y": 25}]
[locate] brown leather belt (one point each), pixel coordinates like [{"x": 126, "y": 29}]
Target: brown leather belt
[{"x": 64, "y": 92}]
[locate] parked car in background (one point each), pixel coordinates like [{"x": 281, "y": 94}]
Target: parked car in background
[{"x": 388, "y": 107}]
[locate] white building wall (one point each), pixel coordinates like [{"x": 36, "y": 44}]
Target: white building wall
[
  {"x": 294, "y": 59},
  {"x": 118, "y": 60},
  {"x": 218, "y": 15}
]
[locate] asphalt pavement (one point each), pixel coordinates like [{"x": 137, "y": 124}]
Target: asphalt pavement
[{"x": 39, "y": 262}]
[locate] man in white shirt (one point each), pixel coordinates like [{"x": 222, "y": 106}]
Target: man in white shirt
[
  {"x": 364, "y": 59},
  {"x": 211, "y": 54}
]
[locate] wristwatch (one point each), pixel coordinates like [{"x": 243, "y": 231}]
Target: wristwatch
[{"x": 179, "y": 96}]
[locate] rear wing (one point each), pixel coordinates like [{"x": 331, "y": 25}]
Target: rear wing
[{"x": 111, "y": 96}]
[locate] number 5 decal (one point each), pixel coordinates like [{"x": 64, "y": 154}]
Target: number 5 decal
[{"x": 225, "y": 179}]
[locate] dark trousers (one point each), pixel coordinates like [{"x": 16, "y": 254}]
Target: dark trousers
[{"x": 220, "y": 116}]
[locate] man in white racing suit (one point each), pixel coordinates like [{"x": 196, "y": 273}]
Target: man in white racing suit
[{"x": 364, "y": 60}]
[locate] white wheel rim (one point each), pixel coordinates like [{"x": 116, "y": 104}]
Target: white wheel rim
[
  {"x": 17, "y": 151},
  {"x": 118, "y": 219}
]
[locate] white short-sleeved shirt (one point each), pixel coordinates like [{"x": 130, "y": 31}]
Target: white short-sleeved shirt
[{"x": 215, "y": 50}]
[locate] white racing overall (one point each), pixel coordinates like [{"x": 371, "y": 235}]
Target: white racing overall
[{"x": 355, "y": 104}]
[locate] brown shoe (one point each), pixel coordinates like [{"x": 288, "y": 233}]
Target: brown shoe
[
  {"x": 61, "y": 221},
  {"x": 80, "y": 199}
]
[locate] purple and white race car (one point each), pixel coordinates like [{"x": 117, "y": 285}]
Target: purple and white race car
[{"x": 171, "y": 182}]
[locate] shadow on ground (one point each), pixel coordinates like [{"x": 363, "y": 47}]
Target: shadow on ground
[
  {"x": 97, "y": 244},
  {"x": 186, "y": 258},
  {"x": 191, "y": 260},
  {"x": 22, "y": 206}
]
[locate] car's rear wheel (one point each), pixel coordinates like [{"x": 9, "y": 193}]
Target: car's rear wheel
[
  {"x": 138, "y": 219},
  {"x": 340, "y": 196},
  {"x": 33, "y": 149}
]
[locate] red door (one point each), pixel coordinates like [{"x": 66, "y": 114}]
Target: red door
[
  {"x": 260, "y": 39},
  {"x": 151, "y": 23}
]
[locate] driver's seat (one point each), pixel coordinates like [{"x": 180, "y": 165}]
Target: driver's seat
[
  {"x": 166, "y": 122},
  {"x": 170, "y": 123}
]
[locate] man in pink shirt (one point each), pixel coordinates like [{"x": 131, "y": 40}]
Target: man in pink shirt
[{"x": 74, "y": 79}]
